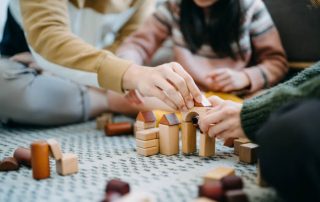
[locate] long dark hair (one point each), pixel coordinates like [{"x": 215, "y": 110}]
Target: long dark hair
[{"x": 219, "y": 30}]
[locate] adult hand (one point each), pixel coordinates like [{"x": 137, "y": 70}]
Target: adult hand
[
  {"x": 168, "y": 82},
  {"x": 227, "y": 80},
  {"x": 223, "y": 120}
]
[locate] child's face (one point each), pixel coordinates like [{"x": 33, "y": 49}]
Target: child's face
[{"x": 205, "y": 3}]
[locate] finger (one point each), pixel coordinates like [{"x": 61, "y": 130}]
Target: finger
[
  {"x": 135, "y": 98},
  {"x": 218, "y": 128},
  {"x": 228, "y": 88},
  {"x": 221, "y": 77},
  {"x": 226, "y": 134},
  {"x": 217, "y": 72},
  {"x": 215, "y": 100},
  {"x": 223, "y": 84},
  {"x": 212, "y": 118},
  {"x": 182, "y": 87},
  {"x": 171, "y": 93},
  {"x": 193, "y": 88},
  {"x": 162, "y": 96}
]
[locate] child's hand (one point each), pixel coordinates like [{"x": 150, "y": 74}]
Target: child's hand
[
  {"x": 227, "y": 80},
  {"x": 168, "y": 82},
  {"x": 223, "y": 120}
]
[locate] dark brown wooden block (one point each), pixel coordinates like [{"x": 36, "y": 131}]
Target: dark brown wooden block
[
  {"x": 117, "y": 186},
  {"x": 211, "y": 190},
  {"x": 236, "y": 196},
  {"x": 232, "y": 182},
  {"x": 23, "y": 156},
  {"x": 113, "y": 129},
  {"x": 9, "y": 164},
  {"x": 248, "y": 153}
]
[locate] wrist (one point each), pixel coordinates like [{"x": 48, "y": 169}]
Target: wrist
[
  {"x": 246, "y": 80},
  {"x": 130, "y": 77}
]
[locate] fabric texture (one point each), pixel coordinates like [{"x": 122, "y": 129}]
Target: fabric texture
[
  {"x": 289, "y": 142},
  {"x": 260, "y": 44},
  {"x": 27, "y": 97},
  {"x": 256, "y": 111}
]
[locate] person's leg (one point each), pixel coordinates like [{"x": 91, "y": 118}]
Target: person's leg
[{"x": 290, "y": 153}]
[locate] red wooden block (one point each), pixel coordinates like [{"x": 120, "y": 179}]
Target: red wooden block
[
  {"x": 117, "y": 186},
  {"x": 232, "y": 182},
  {"x": 9, "y": 164},
  {"x": 113, "y": 129},
  {"x": 236, "y": 196},
  {"x": 229, "y": 142},
  {"x": 23, "y": 156},
  {"x": 212, "y": 190}
]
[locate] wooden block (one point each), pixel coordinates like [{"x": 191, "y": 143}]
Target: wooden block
[
  {"x": 238, "y": 142},
  {"x": 196, "y": 111},
  {"x": 67, "y": 165},
  {"x": 236, "y": 196},
  {"x": 207, "y": 145},
  {"x": 229, "y": 142},
  {"x": 112, "y": 197},
  {"x": 114, "y": 129},
  {"x": 232, "y": 182},
  {"x": 211, "y": 190},
  {"x": 40, "y": 160},
  {"x": 104, "y": 119},
  {"x": 204, "y": 199},
  {"x": 23, "y": 156},
  {"x": 147, "y": 144},
  {"x": 189, "y": 137},
  {"x": 260, "y": 181},
  {"x": 117, "y": 186},
  {"x": 55, "y": 149},
  {"x": 138, "y": 197},
  {"x": 148, "y": 152},
  {"x": 204, "y": 103},
  {"x": 9, "y": 164},
  {"x": 169, "y": 120},
  {"x": 218, "y": 173},
  {"x": 141, "y": 125},
  {"x": 149, "y": 134},
  {"x": 146, "y": 117},
  {"x": 169, "y": 139},
  {"x": 248, "y": 153}
]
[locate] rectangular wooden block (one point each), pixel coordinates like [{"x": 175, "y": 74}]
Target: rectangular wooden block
[
  {"x": 186, "y": 116},
  {"x": 248, "y": 153},
  {"x": 67, "y": 165},
  {"x": 148, "y": 134},
  {"x": 148, "y": 151},
  {"x": 169, "y": 139},
  {"x": 218, "y": 173},
  {"x": 55, "y": 149},
  {"x": 238, "y": 142},
  {"x": 189, "y": 137},
  {"x": 143, "y": 125},
  {"x": 148, "y": 143},
  {"x": 229, "y": 142},
  {"x": 204, "y": 199},
  {"x": 207, "y": 145},
  {"x": 102, "y": 120}
]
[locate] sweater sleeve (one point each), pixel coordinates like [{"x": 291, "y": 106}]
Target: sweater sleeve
[
  {"x": 256, "y": 111},
  {"x": 269, "y": 54},
  {"x": 46, "y": 23},
  {"x": 142, "y": 44}
]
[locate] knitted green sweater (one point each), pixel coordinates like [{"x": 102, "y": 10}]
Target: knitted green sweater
[{"x": 257, "y": 110}]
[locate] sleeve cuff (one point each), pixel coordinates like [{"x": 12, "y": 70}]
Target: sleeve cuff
[{"x": 111, "y": 72}]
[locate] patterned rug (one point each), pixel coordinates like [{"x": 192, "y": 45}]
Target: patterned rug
[{"x": 168, "y": 178}]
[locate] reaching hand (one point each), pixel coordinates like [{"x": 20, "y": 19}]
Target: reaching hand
[
  {"x": 168, "y": 82},
  {"x": 227, "y": 80},
  {"x": 223, "y": 120}
]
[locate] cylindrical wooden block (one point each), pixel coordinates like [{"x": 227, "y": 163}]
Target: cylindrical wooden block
[
  {"x": 40, "y": 160},
  {"x": 113, "y": 129},
  {"x": 23, "y": 156}
]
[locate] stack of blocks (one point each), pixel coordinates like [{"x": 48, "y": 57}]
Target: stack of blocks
[
  {"x": 147, "y": 136},
  {"x": 246, "y": 150}
]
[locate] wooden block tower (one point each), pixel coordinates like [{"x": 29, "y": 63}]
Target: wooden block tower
[
  {"x": 145, "y": 120},
  {"x": 169, "y": 134}
]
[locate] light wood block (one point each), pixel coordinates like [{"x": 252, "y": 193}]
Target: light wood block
[
  {"x": 137, "y": 197},
  {"x": 102, "y": 120},
  {"x": 248, "y": 153},
  {"x": 143, "y": 125},
  {"x": 148, "y": 143},
  {"x": 189, "y": 137},
  {"x": 207, "y": 145},
  {"x": 148, "y": 134},
  {"x": 169, "y": 139},
  {"x": 204, "y": 199},
  {"x": 238, "y": 142},
  {"x": 55, "y": 149},
  {"x": 67, "y": 165},
  {"x": 195, "y": 111},
  {"x": 218, "y": 173},
  {"x": 148, "y": 151}
]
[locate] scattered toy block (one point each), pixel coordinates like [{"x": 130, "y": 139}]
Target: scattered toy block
[
  {"x": 68, "y": 164},
  {"x": 55, "y": 149},
  {"x": 114, "y": 129},
  {"x": 204, "y": 199},
  {"x": 260, "y": 181},
  {"x": 138, "y": 197},
  {"x": 232, "y": 182},
  {"x": 117, "y": 186},
  {"x": 148, "y": 143},
  {"x": 207, "y": 145},
  {"x": 248, "y": 153},
  {"x": 148, "y": 134},
  {"x": 211, "y": 190},
  {"x": 189, "y": 137},
  {"x": 148, "y": 151},
  {"x": 104, "y": 119},
  {"x": 236, "y": 196},
  {"x": 40, "y": 160},
  {"x": 229, "y": 142},
  {"x": 23, "y": 156},
  {"x": 238, "y": 142},
  {"x": 9, "y": 164},
  {"x": 218, "y": 173}
]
